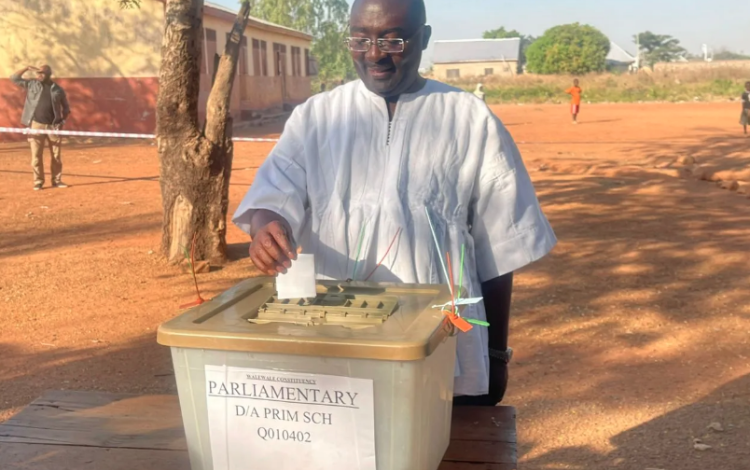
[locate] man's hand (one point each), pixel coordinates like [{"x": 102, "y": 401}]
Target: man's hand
[
  {"x": 28, "y": 68},
  {"x": 271, "y": 250}
]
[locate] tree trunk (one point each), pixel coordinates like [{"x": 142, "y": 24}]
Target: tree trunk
[{"x": 195, "y": 166}]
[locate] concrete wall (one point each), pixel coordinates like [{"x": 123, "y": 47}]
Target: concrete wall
[
  {"x": 107, "y": 59},
  {"x": 298, "y": 89},
  {"x": 96, "y": 104},
  {"x": 262, "y": 92},
  {"x": 476, "y": 69},
  {"x": 91, "y": 38},
  {"x": 266, "y": 92}
]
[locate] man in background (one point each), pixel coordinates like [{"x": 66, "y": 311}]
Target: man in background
[
  {"x": 745, "y": 116},
  {"x": 575, "y": 100},
  {"x": 46, "y": 108},
  {"x": 479, "y": 92}
]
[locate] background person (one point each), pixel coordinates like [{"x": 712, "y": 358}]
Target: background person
[
  {"x": 479, "y": 92},
  {"x": 575, "y": 93},
  {"x": 745, "y": 116},
  {"x": 46, "y": 108}
]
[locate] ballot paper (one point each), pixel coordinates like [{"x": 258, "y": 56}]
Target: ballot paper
[{"x": 299, "y": 280}]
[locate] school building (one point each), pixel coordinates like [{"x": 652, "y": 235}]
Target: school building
[
  {"x": 453, "y": 60},
  {"x": 107, "y": 59}
]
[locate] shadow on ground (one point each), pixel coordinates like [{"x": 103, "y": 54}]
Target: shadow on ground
[
  {"x": 667, "y": 443},
  {"x": 102, "y": 368}
]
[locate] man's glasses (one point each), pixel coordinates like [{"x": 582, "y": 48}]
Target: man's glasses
[{"x": 386, "y": 45}]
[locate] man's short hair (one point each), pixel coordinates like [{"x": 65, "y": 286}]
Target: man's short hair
[{"x": 419, "y": 11}]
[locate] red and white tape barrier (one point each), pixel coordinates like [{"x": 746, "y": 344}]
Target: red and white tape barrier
[
  {"x": 250, "y": 139},
  {"x": 13, "y": 130}
]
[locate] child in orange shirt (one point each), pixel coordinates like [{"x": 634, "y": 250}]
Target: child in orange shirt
[{"x": 575, "y": 102}]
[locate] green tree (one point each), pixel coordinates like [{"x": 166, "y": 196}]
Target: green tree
[
  {"x": 326, "y": 20},
  {"x": 659, "y": 48},
  {"x": 502, "y": 33},
  {"x": 571, "y": 48}
]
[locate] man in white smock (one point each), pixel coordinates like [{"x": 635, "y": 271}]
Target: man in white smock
[{"x": 358, "y": 169}]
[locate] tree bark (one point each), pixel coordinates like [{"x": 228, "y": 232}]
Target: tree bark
[{"x": 195, "y": 166}]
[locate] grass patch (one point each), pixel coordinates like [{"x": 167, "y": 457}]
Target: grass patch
[{"x": 671, "y": 86}]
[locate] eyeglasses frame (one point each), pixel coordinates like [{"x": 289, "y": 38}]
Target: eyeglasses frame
[{"x": 378, "y": 42}]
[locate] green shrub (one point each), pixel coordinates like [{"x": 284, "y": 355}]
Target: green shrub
[{"x": 572, "y": 48}]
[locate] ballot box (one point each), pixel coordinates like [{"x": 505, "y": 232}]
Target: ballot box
[{"x": 359, "y": 377}]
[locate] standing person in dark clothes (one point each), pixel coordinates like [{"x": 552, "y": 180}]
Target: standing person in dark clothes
[
  {"x": 46, "y": 108},
  {"x": 745, "y": 116}
]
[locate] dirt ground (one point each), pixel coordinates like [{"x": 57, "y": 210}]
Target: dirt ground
[{"x": 630, "y": 339}]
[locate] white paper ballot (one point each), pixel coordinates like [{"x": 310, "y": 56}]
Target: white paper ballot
[{"x": 299, "y": 280}]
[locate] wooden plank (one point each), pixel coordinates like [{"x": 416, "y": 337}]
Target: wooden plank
[
  {"x": 75, "y": 400},
  {"x": 484, "y": 424},
  {"x": 483, "y": 438},
  {"x": 51, "y": 457},
  {"x": 481, "y": 452},
  {"x": 99, "y": 420}
]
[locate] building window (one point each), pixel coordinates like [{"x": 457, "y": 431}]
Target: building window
[
  {"x": 279, "y": 54},
  {"x": 307, "y": 62},
  {"x": 209, "y": 52},
  {"x": 489, "y": 71},
  {"x": 203, "y": 53},
  {"x": 244, "y": 69},
  {"x": 260, "y": 58},
  {"x": 296, "y": 61},
  {"x": 454, "y": 73},
  {"x": 242, "y": 56}
]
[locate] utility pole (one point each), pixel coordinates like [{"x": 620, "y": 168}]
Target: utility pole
[{"x": 637, "y": 52}]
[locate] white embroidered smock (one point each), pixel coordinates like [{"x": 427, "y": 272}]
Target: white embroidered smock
[{"x": 341, "y": 169}]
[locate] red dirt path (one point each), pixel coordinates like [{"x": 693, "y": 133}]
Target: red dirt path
[{"x": 630, "y": 339}]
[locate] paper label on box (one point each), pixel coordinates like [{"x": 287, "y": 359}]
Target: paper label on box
[{"x": 271, "y": 420}]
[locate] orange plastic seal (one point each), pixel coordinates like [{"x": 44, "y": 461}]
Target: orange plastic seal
[{"x": 458, "y": 322}]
